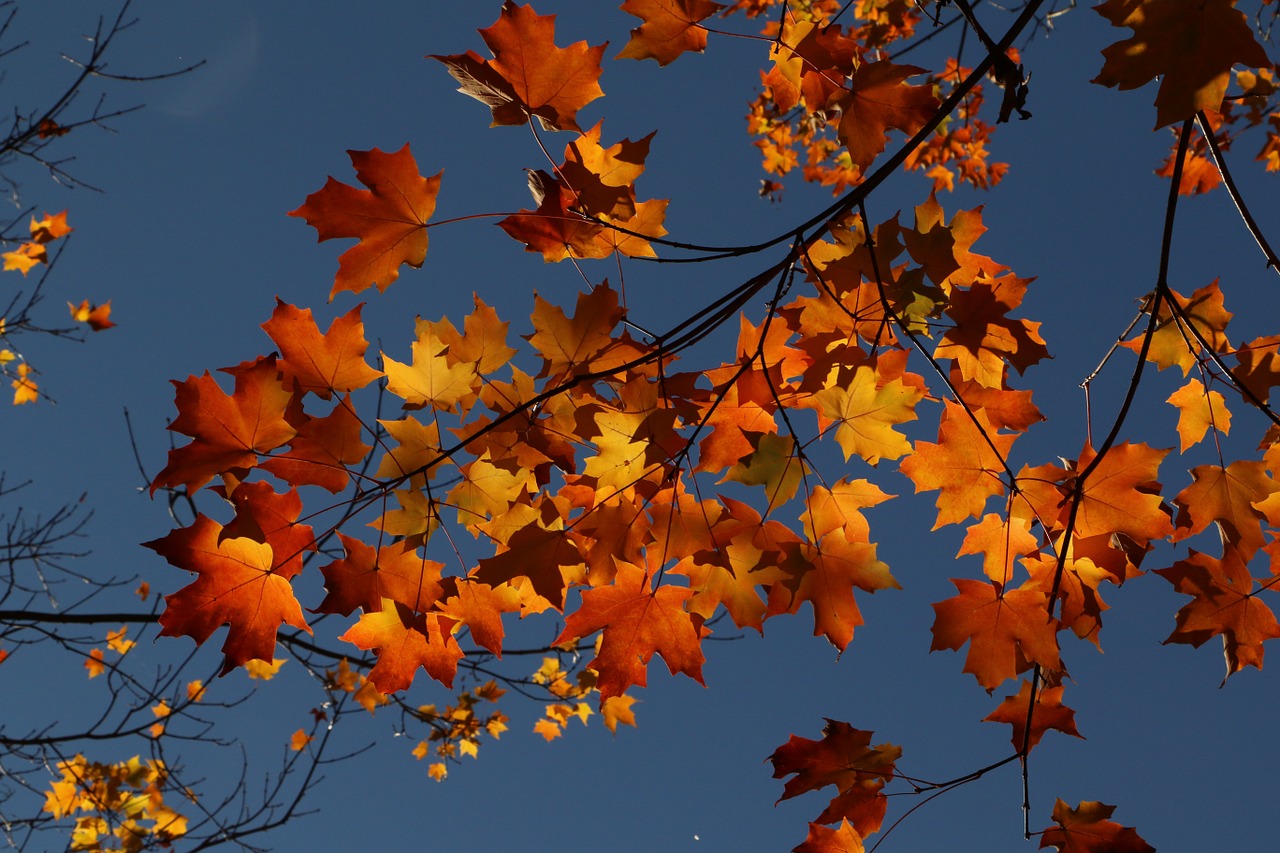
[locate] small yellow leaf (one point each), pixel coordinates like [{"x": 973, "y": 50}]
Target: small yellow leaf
[
  {"x": 263, "y": 670},
  {"x": 422, "y": 750},
  {"x": 438, "y": 771},
  {"x": 300, "y": 740},
  {"x": 117, "y": 643},
  {"x": 195, "y": 691},
  {"x": 549, "y": 729},
  {"x": 24, "y": 387},
  {"x": 370, "y": 697},
  {"x": 617, "y": 711}
]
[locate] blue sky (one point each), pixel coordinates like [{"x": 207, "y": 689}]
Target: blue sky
[{"x": 191, "y": 244}]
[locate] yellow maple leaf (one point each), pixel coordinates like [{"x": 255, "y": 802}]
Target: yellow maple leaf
[
  {"x": 263, "y": 670},
  {"x": 617, "y": 711}
]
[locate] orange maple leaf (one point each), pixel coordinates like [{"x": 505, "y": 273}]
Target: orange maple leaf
[
  {"x": 389, "y": 218},
  {"x": 97, "y": 316},
  {"x": 1117, "y": 494},
  {"x": 405, "y": 641},
  {"x": 322, "y": 449},
  {"x": 984, "y": 338},
  {"x": 529, "y": 75},
  {"x": 1198, "y": 410},
  {"x": 1225, "y": 603},
  {"x": 1087, "y": 829},
  {"x": 238, "y": 584},
  {"x": 1172, "y": 344},
  {"x": 879, "y": 99},
  {"x": 568, "y": 344},
  {"x": 1049, "y": 713},
  {"x": 670, "y": 28},
  {"x": 637, "y": 622},
  {"x": 846, "y": 759},
  {"x": 436, "y": 377},
  {"x": 367, "y": 577},
  {"x": 1006, "y": 631},
  {"x": 1229, "y": 497},
  {"x": 323, "y": 364},
  {"x": 1190, "y": 44},
  {"x": 228, "y": 431},
  {"x": 479, "y": 607},
  {"x": 962, "y": 465},
  {"x": 547, "y": 557},
  {"x": 823, "y": 839}
]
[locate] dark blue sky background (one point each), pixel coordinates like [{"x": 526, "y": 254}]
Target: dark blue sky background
[{"x": 191, "y": 244}]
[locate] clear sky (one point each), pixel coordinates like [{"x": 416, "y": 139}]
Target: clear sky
[{"x": 191, "y": 243}]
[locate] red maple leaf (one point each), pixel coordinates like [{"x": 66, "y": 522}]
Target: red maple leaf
[
  {"x": 1087, "y": 829},
  {"x": 846, "y": 759},
  {"x": 228, "y": 431},
  {"x": 238, "y": 584},
  {"x": 1006, "y": 631},
  {"x": 389, "y": 218}
]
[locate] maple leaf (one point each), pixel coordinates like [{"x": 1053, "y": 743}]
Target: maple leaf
[
  {"x": 1228, "y": 496},
  {"x": 983, "y": 338},
  {"x": 389, "y": 218},
  {"x": 1190, "y": 44},
  {"x": 405, "y": 641},
  {"x": 479, "y": 607},
  {"x": 1088, "y": 829},
  {"x": 825, "y": 574},
  {"x": 809, "y": 63},
  {"x": 1259, "y": 369},
  {"x": 227, "y": 431},
  {"x": 49, "y": 228},
  {"x": 846, "y": 759},
  {"x": 569, "y": 344},
  {"x": 322, "y": 449},
  {"x": 670, "y": 28},
  {"x": 529, "y": 75},
  {"x": 867, "y": 410},
  {"x": 435, "y": 379},
  {"x": 323, "y": 364},
  {"x": 1000, "y": 540},
  {"x": 1049, "y": 713},
  {"x": 368, "y": 576},
  {"x": 1171, "y": 344},
  {"x": 1225, "y": 603},
  {"x": 879, "y": 99},
  {"x": 617, "y": 712},
  {"x": 265, "y": 515},
  {"x": 1006, "y": 630},
  {"x": 638, "y": 622},
  {"x": 962, "y": 465},
  {"x": 1116, "y": 499},
  {"x": 237, "y": 584},
  {"x": 824, "y": 839},
  {"x": 25, "y": 257},
  {"x": 547, "y": 557},
  {"x": 98, "y": 317},
  {"x": 1198, "y": 410}
]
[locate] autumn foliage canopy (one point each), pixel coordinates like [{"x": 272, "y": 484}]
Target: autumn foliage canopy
[{"x": 646, "y": 488}]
